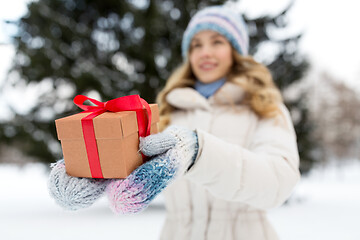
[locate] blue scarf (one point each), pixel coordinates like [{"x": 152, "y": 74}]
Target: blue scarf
[{"x": 208, "y": 89}]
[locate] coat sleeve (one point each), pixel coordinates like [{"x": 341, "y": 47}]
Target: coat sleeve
[{"x": 262, "y": 176}]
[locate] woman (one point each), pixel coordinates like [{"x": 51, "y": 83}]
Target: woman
[{"x": 228, "y": 149}]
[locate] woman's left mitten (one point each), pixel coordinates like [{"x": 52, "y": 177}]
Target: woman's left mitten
[
  {"x": 172, "y": 152},
  {"x": 134, "y": 194},
  {"x": 73, "y": 193}
]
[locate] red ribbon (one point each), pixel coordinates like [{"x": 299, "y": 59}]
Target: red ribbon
[{"x": 127, "y": 103}]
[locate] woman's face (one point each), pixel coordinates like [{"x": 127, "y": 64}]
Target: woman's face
[{"x": 210, "y": 56}]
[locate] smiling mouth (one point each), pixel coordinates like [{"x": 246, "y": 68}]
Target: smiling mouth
[{"x": 208, "y": 66}]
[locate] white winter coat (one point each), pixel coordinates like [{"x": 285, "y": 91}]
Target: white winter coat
[{"x": 244, "y": 166}]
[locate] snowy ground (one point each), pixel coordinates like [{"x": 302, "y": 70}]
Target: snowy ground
[{"x": 325, "y": 205}]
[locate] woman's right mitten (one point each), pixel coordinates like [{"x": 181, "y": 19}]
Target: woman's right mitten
[{"x": 73, "y": 193}]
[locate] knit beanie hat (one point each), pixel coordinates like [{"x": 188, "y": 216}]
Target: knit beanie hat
[{"x": 221, "y": 19}]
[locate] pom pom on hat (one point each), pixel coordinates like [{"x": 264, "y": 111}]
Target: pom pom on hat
[{"x": 221, "y": 19}]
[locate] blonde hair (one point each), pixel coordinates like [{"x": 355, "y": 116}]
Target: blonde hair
[{"x": 262, "y": 95}]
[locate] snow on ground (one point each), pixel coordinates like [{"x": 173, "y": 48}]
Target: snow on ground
[{"x": 325, "y": 205}]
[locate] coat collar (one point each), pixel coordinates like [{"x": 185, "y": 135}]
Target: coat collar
[{"x": 189, "y": 98}]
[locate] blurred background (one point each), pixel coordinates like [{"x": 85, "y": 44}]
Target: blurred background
[{"x": 53, "y": 50}]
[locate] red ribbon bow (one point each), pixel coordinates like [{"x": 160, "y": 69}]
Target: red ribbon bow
[{"x": 127, "y": 103}]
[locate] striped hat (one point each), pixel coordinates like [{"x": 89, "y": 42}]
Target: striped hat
[{"x": 223, "y": 20}]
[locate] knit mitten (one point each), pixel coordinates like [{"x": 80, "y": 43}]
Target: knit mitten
[
  {"x": 73, "y": 193},
  {"x": 173, "y": 152}
]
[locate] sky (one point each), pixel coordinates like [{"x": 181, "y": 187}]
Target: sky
[
  {"x": 330, "y": 37},
  {"x": 331, "y": 34}
]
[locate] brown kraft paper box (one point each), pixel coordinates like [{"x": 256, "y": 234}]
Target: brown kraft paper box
[{"x": 117, "y": 140}]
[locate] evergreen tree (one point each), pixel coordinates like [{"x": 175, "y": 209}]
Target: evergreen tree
[{"x": 116, "y": 48}]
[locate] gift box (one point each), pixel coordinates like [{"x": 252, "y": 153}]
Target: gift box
[{"x": 116, "y": 142}]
